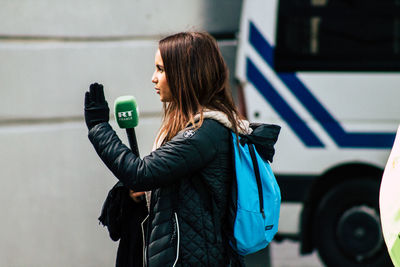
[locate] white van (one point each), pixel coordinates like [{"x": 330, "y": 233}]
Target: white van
[{"x": 327, "y": 71}]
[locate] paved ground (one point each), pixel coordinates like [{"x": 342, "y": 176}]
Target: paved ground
[
  {"x": 283, "y": 254},
  {"x": 287, "y": 254}
]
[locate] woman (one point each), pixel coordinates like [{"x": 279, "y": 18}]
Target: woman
[{"x": 193, "y": 155}]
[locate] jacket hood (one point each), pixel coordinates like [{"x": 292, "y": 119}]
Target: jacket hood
[
  {"x": 223, "y": 119},
  {"x": 263, "y": 136}
]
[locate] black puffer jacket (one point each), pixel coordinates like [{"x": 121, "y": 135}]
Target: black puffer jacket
[{"x": 182, "y": 230}]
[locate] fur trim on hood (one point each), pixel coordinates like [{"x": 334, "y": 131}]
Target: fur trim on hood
[{"x": 223, "y": 119}]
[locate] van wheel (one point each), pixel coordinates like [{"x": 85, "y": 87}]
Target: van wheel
[{"x": 347, "y": 229}]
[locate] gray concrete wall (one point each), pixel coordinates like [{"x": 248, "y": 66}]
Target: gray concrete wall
[
  {"x": 124, "y": 18},
  {"x": 52, "y": 183}
]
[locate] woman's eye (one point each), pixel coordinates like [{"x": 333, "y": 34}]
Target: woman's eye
[{"x": 160, "y": 69}]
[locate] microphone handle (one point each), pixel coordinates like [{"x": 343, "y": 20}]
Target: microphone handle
[
  {"x": 130, "y": 132},
  {"x": 132, "y": 141}
]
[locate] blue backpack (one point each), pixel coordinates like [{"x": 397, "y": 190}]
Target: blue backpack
[
  {"x": 253, "y": 212},
  {"x": 256, "y": 196}
]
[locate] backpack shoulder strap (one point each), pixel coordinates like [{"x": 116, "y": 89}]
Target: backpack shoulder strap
[{"x": 258, "y": 178}]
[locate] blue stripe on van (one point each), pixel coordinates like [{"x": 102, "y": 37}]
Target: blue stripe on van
[
  {"x": 332, "y": 127},
  {"x": 280, "y": 106}
]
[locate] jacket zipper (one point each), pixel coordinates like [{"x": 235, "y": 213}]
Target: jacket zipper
[
  {"x": 178, "y": 239},
  {"x": 144, "y": 242}
]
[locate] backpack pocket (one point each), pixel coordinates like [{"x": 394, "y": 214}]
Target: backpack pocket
[{"x": 249, "y": 231}]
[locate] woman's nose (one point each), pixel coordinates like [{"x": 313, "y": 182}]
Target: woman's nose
[{"x": 154, "y": 78}]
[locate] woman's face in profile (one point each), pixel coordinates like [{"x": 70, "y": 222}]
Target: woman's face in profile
[{"x": 160, "y": 80}]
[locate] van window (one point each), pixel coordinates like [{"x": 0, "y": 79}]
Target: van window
[{"x": 339, "y": 35}]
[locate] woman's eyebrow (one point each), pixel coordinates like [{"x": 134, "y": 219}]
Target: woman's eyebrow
[{"x": 159, "y": 66}]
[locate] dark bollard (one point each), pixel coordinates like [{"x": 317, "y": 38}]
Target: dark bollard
[{"x": 259, "y": 259}]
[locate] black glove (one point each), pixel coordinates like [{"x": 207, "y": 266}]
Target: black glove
[{"x": 96, "y": 107}]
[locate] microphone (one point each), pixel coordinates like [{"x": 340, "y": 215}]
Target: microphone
[{"x": 127, "y": 116}]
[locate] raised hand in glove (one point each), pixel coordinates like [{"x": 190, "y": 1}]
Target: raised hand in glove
[{"x": 96, "y": 107}]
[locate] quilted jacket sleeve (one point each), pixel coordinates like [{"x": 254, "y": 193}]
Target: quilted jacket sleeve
[{"x": 178, "y": 158}]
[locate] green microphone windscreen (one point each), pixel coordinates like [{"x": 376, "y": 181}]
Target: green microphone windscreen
[{"x": 126, "y": 112}]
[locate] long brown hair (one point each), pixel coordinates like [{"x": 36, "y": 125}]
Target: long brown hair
[{"x": 198, "y": 79}]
